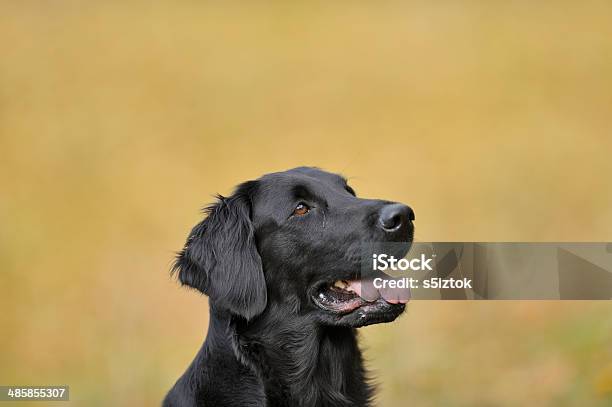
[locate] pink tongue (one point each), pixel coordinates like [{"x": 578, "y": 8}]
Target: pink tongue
[{"x": 366, "y": 290}]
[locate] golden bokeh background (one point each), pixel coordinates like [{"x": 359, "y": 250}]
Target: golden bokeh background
[{"x": 119, "y": 120}]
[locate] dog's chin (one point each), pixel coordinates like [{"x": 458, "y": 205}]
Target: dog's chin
[
  {"x": 342, "y": 307},
  {"x": 377, "y": 312}
]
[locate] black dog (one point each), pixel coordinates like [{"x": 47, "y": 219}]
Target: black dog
[{"x": 279, "y": 260}]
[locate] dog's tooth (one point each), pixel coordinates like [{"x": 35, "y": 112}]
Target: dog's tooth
[
  {"x": 347, "y": 286},
  {"x": 340, "y": 284}
]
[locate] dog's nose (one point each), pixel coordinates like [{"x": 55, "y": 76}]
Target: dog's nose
[{"x": 394, "y": 216}]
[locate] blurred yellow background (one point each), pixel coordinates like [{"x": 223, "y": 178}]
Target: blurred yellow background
[{"x": 119, "y": 120}]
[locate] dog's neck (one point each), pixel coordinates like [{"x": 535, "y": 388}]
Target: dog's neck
[{"x": 299, "y": 362}]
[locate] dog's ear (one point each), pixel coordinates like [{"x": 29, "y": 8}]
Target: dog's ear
[{"x": 220, "y": 257}]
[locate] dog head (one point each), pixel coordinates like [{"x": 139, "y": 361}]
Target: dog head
[{"x": 294, "y": 239}]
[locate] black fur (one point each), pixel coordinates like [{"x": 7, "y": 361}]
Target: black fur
[{"x": 268, "y": 343}]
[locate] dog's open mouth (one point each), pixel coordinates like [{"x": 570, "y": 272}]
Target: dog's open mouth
[{"x": 344, "y": 296}]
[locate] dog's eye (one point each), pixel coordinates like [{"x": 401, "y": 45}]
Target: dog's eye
[{"x": 301, "y": 209}]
